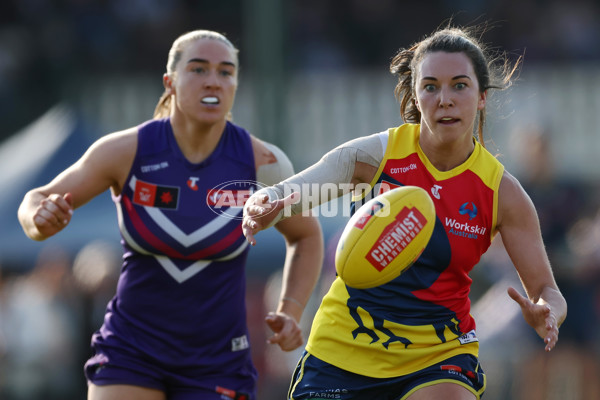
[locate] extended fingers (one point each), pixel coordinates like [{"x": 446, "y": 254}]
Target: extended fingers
[
  {"x": 552, "y": 330},
  {"x": 256, "y": 215},
  {"x": 249, "y": 236},
  {"x": 249, "y": 224},
  {"x": 551, "y": 338},
  {"x": 516, "y": 296},
  {"x": 254, "y": 210},
  {"x": 248, "y": 229},
  {"x": 539, "y": 316}
]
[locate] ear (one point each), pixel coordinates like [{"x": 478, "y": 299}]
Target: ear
[
  {"x": 417, "y": 104},
  {"x": 482, "y": 99},
  {"x": 168, "y": 83}
]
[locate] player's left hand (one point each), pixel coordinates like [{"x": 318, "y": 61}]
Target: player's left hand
[
  {"x": 287, "y": 333},
  {"x": 539, "y": 316}
]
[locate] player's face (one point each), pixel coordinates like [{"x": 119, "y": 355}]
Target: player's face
[
  {"x": 206, "y": 80},
  {"x": 448, "y": 96}
]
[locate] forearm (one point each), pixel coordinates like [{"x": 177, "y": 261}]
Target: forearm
[
  {"x": 318, "y": 184},
  {"x": 301, "y": 272},
  {"x": 334, "y": 175}
]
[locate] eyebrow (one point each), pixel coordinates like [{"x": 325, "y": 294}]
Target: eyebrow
[
  {"x": 431, "y": 78},
  {"x": 203, "y": 61}
]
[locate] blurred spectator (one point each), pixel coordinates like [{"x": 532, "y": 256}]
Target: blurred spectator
[
  {"x": 95, "y": 273},
  {"x": 41, "y": 330},
  {"x": 559, "y": 202},
  {"x": 3, "y": 306},
  {"x": 569, "y": 215},
  {"x": 44, "y": 44}
]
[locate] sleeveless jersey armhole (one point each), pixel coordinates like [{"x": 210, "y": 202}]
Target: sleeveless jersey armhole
[
  {"x": 384, "y": 137},
  {"x": 497, "y": 180}
]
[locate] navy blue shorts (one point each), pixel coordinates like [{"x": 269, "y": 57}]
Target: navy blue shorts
[
  {"x": 111, "y": 366},
  {"x": 316, "y": 379}
]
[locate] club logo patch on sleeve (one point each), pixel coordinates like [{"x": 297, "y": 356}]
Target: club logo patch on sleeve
[{"x": 151, "y": 195}]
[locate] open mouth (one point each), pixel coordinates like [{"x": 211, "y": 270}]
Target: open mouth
[
  {"x": 212, "y": 100},
  {"x": 447, "y": 120}
]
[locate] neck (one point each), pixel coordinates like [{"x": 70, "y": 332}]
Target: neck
[
  {"x": 446, "y": 156},
  {"x": 197, "y": 140}
]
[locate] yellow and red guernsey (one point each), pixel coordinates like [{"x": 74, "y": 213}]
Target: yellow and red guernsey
[{"x": 423, "y": 316}]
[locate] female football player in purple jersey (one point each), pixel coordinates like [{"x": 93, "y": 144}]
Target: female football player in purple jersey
[
  {"x": 176, "y": 328},
  {"x": 414, "y": 337}
]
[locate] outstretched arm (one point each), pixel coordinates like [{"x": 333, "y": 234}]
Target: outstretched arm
[
  {"x": 544, "y": 308},
  {"x": 346, "y": 166},
  {"x": 47, "y": 210}
]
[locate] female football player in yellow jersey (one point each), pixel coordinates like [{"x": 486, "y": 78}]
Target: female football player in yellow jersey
[{"x": 414, "y": 337}]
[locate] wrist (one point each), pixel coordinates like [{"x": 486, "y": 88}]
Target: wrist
[{"x": 292, "y": 307}]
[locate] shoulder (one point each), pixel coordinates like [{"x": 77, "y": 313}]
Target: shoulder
[
  {"x": 272, "y": 164},
  {"x": 365, "y": 149},
  {"x": 373, "y": 148},
  {"x": 490, "y": 170},
  {"x": 407, "y": 131},
  {"x": 262, "y": 152},
  {"x": 510, "y": 186},
  {"x": 120, "y": 142},
  {"x": 513, "y": 201},
  {"x": 106, "y": 161},
  {"x": 114, "y": 152},
  {"x": 375, "y": 142}
]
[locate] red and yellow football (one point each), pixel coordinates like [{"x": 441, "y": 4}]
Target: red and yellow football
[{"x": 384, "y": 237}]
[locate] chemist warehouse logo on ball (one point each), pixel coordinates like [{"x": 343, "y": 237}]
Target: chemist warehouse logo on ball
[
  {"x": 465, "y": 229},
  {"x": 228, "y": 199}
]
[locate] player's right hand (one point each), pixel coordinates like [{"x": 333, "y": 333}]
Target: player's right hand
[
  {"x": 53, "y": 214},
  {"x": 260, "y": 213}
]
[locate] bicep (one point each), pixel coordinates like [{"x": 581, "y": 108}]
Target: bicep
[
  {"x": 102, "y": 166},
  {"x": 520, "y": 230}
]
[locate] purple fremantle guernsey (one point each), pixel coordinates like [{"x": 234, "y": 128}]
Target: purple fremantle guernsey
[{"x": 180, "y": 299}]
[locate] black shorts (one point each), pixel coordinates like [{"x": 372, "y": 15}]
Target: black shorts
[{"x": 316, "y": 379}]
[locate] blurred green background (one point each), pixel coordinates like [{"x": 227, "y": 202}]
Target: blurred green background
[{"x": 314, "y": 74}]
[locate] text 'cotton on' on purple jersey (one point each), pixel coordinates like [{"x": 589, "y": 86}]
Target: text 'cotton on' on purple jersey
[{"x": 181, "y": 294}]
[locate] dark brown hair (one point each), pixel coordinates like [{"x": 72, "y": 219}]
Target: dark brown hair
[{"x": 492, "y": 71}]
